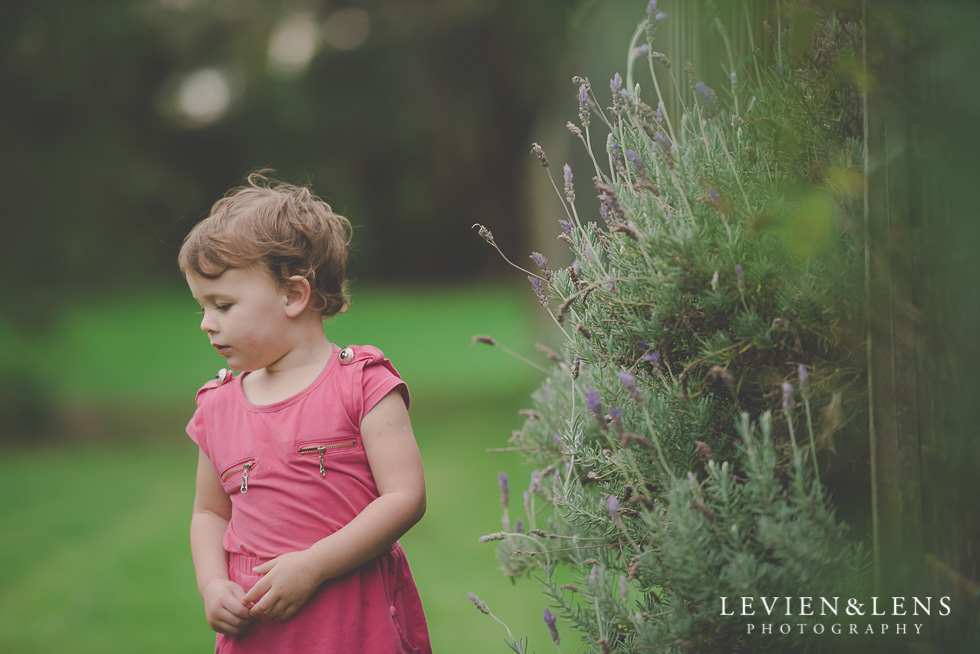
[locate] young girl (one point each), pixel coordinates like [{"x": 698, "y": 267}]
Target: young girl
[{"x": 308, "y": 470}]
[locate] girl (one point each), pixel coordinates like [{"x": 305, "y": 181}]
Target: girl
[{"x": 308, "y": 470}]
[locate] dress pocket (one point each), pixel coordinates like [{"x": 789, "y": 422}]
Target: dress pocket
[
  {"x": 316, "y": 450},
  {"x": 235, "y": 477}
]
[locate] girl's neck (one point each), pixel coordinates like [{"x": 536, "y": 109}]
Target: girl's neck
[{"x": 290, "y": 374}]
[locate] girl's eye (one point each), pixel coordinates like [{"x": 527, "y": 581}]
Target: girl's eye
[{"x": 222, "y": 307}]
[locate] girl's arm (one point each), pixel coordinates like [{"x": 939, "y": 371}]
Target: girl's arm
[
  {"x": 397, "y": 468},
  {"x": 223, "y": 606}
]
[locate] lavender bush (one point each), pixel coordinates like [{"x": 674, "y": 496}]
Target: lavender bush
[{"x": 708, "y": 320}]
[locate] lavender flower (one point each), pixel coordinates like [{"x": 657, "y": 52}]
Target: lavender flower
[
  {"x": 652, "y": 12},
  {"x": 787, "y": 396},
  {"x": 662, "y": 141},
  {"x": 614, "y": 149},
  {"x": 542, "y": 263},
  {"x": 594, "y": 575},
  {"x": 552, "y": 621},
  {"x": 636, "y": 160},
  {"x": 804, "y": 377},
  {"x": 714, "y": 281},
  {"x": 566, "y": 226},
  {"x": 504, "y": 484},
  {"x": 478, "y": 603},
  {"x": 569, "y": 187},
  {"x": 629, "y": 381},
  {"x": 612, "y": 505},
  {"x": 538, "y": 290},
  {"x": 741, "y": 277},
  {"x": 519, "y": 526},
  {"x": 623, "y": 587},
  {"x": 709, "y": 101},
  {"x": 639, "y": 51},
  {"x": 595, "y": 407},
  {"x": 584, "y": 106},
  {"x": 617, "y": 418},
  {"x": 616, "y": 84},
  {"x": 536, "y": 478}
]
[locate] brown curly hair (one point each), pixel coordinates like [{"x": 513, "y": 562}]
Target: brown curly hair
[{"x": 286, "y": 228}]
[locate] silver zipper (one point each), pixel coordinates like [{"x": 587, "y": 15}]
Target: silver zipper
[{"x": 321, "y": 449}]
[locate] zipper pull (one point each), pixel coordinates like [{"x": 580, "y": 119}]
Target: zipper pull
[
  {"x": 248, "y": 466},
  {"x": 321, "y": 449}
]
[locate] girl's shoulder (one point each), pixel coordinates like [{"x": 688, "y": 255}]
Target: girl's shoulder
[{"x": 222, "y": 378}]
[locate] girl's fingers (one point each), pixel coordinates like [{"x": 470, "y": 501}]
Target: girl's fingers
[
  {"x": 265, "y": 567},
  {"x": 260, "y": 588},
  {"x": 265, "y": 606}
]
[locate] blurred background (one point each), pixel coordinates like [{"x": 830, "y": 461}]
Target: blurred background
[{"x": 123, "y": 121}]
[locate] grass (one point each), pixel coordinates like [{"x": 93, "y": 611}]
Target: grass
[{"x": 94, "y": 553}]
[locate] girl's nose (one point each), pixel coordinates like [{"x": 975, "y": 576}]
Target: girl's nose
[{"x": 207, "y": 323}]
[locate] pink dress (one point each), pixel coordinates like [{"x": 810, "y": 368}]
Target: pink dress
[{"x": 296, "y": 471}]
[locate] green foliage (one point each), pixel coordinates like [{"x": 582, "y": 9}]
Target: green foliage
[{"x": 719, "y": 288}]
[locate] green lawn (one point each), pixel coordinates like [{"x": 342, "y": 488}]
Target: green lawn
[{"x": 93, "y": 550}]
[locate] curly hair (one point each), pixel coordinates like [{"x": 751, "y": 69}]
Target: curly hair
[{"x": 286, "y": 228}]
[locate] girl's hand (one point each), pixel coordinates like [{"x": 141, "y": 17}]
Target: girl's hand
[
  {"x": 288, "y": 582},
  {"x": 224, "y": 609}
]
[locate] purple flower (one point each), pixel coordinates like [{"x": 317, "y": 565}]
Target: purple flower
[
  {"x": 653, "y": 13},
  {"x": 703, "y": 90},
  {"x": 662, "y": 141},
  {"x": 617, "y": 417},
  {"x": 709, "y": 101},
  {"x": 584, "y": 108},
  {"x": 541, "y": 262},
  {"x": 552, "y": 621},
  {"x": 741, "y": 277},
  {"x": 538, "y": 290},
  {"x": 787, "y": 395},
  {"x": 614, "y": 148},
  {"x": 594, "y": 575},
  {"x": 652, "y": 357},
  {"x": 803, "y": 375},
  {"x": 629, "y": 381},
  {"x": 595, "y": 407},
  {"x": 504, "y": 484},
  {"x": 636, "y": 160},
  {"x": 623, "y": 587},
  {"x": 641, "y": 50},
  {"x": 612, "y": 505},
  {"x": 519, "y": 526},
  {"x": 569, "y": 187},
  {"x": 616, "y": 84}
]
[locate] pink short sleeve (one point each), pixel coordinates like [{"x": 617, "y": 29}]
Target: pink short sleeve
[
  {"x": 377, "y": 381},
  {"x": 196, "y": 430}
]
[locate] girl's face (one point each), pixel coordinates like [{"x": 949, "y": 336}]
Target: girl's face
[{"x": 244, "y": 316}]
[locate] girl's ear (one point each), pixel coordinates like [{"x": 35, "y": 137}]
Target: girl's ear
[{"x": 298, "y": 294}]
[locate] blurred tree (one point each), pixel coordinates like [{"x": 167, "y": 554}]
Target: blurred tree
[{"x": 124, "y": 120}]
